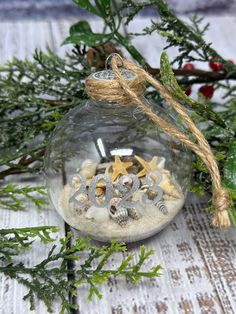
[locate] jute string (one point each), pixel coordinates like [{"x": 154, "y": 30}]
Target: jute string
[{"x": 128, "y": 92}]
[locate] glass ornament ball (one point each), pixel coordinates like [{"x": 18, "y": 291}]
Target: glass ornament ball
[{"x": 113, "y": 174}]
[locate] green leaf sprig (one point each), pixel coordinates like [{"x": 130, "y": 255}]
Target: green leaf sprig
[
  {"x": 13, "y": 197},
  {"x": 48, "y": 281},
  {"x": 13, "y": 241},
  {"x": 170, "y": 82}
]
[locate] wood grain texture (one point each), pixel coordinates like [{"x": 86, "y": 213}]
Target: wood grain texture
[{"x": 199, "y": 262}]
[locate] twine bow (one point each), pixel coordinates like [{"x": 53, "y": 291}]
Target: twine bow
[{"x": 128, "y": 92}]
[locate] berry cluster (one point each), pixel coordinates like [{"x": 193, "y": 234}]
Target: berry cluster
[{"x": 205, "y": 91}]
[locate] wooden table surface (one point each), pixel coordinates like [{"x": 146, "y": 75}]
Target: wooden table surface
[{"x": 199, "y": 262}]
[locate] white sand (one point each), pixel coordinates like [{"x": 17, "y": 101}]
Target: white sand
[{"x": 104, "y": 228}]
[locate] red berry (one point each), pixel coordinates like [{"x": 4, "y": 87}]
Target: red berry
[
  {"x": 188, "y": 91},
  {"x": 216, "y": 66},
  {"x": 188, "y": 66},
  {"x": 207, "y": 91}
]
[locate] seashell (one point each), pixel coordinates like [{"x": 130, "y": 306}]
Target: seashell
[
  {"x": 168, "y": 186},
  {"x": 127, "y": 180},
  {"x": 76, "y": 182},
  {"x": 100, "y": 184},
  {"x": 88, "y": 168},
  {"x": 120, "y": 216},
  {"x": 118, "y": 213},
  {"x": 99, "y": 191},
  {"x": 144, "y": 188},
  {"x": 162, "y": 207},
  {"x": 97, "y": 214},
  {"x": 151, "y": 194},
  {"x": 83, "y": 198},
  {"x": 134, "y": 213}
]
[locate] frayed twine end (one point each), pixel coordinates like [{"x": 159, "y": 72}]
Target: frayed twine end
[{"x": 222, "y": 203}]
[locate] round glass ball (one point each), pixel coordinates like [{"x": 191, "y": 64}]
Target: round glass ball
[{"x": 113, "y": 174}]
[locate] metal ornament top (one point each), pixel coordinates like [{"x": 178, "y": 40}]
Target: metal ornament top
[{"x": 109, "y": 75}]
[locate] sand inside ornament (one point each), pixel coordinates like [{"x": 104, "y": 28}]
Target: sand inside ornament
[{"x": 141, "y": 215}]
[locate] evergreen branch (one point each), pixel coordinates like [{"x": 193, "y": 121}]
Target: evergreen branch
[
  {"x": 13, "y": 241},
  {"x": 187, "y": 37},
  {"x": 48, "y": 282},
  {"x": 27, "y": 158},
  {"x": 202, "y": 75},
  {"x": 172, "y": 86},
  {"x": 13, "y": 197},
  {"x": 26, "y": 114}
]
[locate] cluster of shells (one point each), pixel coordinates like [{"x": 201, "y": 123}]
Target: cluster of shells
[{"x": 116, "y": 208}]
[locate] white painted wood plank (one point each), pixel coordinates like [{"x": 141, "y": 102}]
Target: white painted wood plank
[{"x": 9, "y": 289}]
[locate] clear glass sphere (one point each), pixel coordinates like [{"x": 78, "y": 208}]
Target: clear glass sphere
[{"x": 113, "y": 174}]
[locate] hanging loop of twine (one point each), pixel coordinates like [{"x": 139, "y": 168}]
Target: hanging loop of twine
[
  {"x": 111, "y": 89},
  {"x": 118, "y": 57},
  {"x": 128, "y": 92}
]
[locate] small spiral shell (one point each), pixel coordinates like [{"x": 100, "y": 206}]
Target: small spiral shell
[
  {"x": 162, "y": 207},
  {"x": 134, "y": 213},
  {"x": 118, "y": 213},
  {"x": 76, "y": 182}
]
